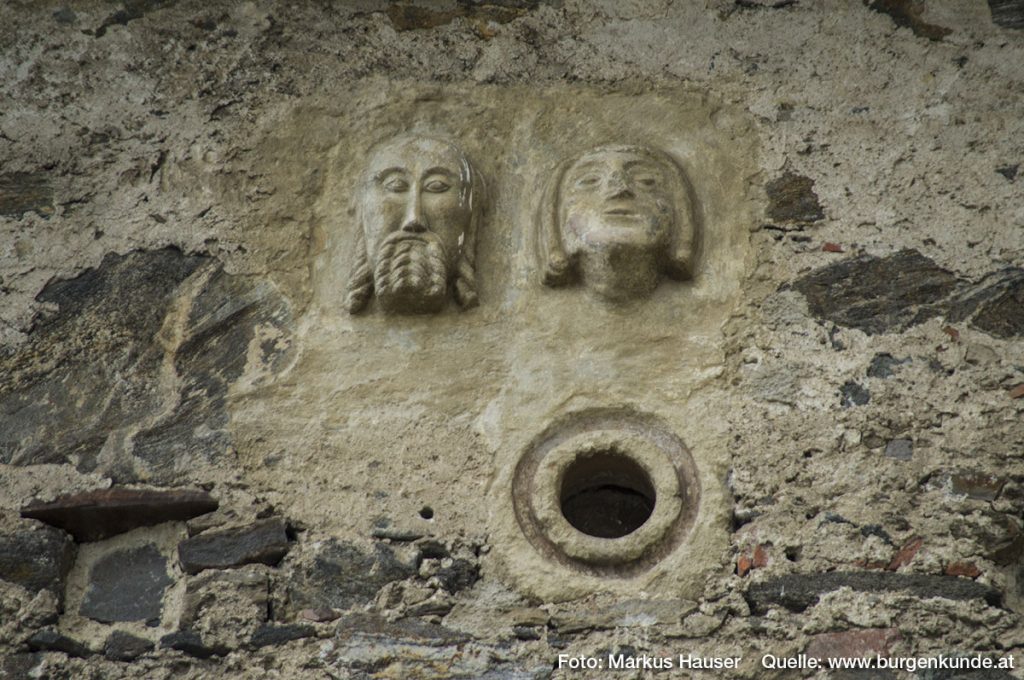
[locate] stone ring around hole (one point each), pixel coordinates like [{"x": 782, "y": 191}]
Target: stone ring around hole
[{"x": 598, "y": 457}]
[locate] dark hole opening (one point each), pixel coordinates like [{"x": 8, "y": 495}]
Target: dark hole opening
[
  {"x": 427, "y": 512},
  {"x": 607, "y": 495}
]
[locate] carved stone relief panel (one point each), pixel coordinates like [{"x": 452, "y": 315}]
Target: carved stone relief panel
[{"x": 508, "y": 420}]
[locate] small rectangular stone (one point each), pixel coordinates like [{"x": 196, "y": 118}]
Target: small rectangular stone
[
  {"x": 900, "y": 449},
  {"x": 797, "y": 592},
  {"x": 277, "y": 634},
  {"x": 263, "y": 542}
]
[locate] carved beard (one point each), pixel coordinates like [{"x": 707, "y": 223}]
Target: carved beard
[{"x": 411, "y": 274}]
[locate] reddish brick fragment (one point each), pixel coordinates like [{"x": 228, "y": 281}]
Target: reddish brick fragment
[
  {"x": 743, "y": 565},
  {"x": 760, "y": 556},
  {"x": 1017, "y": 392},
  {"x": 832, "y": 248},
  {"x": 968, "y": 569},
  {"x": 952, "y": 332},
  {"x": 905, "y": 554}
]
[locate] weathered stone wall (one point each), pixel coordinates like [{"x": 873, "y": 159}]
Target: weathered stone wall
[{"x": 208, "y": 468}]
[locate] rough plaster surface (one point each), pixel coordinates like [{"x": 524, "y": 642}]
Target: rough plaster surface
[{"x": 232, "y": 132}]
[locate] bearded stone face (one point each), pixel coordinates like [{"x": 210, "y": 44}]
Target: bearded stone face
[{"x": 415, "y": 211}]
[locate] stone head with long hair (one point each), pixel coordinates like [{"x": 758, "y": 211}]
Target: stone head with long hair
[
  {"x": 618, "y": 219},
  {"x": 419, "y": 207}
]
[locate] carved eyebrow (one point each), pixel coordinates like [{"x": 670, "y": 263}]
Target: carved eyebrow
[
  {"x": 585, "y": 167},
  {"x": 645, "y": 164},
  {"x": 438, "y": 170},
  {"x": 387, "y": 172}
]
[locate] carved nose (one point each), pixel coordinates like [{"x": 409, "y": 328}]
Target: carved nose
[
  {"x": 413, "y": 222},
  {"x": 617, "y": 187}
]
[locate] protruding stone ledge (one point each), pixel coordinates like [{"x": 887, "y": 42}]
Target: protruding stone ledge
[{"x": 95, "y": 515}]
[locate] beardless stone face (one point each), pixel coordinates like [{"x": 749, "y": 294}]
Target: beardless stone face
[
  {"x": 616, "y": 197},
  {"x": 415, "y": 211}
]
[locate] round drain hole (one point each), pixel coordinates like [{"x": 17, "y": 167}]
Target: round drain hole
[
  {"x": 604, "y": 498},
  {"x": 607, "y": 495}
]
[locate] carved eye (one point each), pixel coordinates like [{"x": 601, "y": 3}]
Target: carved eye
[
  {"x": 437, "y": 186},
  {"x": 647, "y": 181},
  {"x": 396, "y": 185},
  {"x": 588, "y": 181}
]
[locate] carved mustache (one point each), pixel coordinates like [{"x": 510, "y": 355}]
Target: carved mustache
[{"x": 425, "y": 236}]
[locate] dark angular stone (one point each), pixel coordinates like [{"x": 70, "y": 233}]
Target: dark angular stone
[
  {"x": 264, "y": 542},
  {"x": 907, "y": 14},
  {"x": 995, "y": 306},
  {"x": 191, "y": 643},
  {"x": 220, "y": 326},
  {"x": 900, "y": 449},
  {"x": 122, "y": 646},
  {"x": 853, "y": 394},
  {"x": 95, "y": 515},
  {"x": 792, "y": 199},
  {"x": 797, "y": 592},
  {"x": 95, "y": 369},
  {"x": 1010, "y": 171},
  {"x": 277, "y": 634},
  {"x": 461, "y": 574},
  {"x": 49, "y": 640},
  {"x": 878, "y": 295},
  {"x": 92, "y": 366},
  {"x": 342, "y": 575},
  {"x": 1007, "y": 13},
  {"x": 22, "y": 192},
  {"x": 36, "y": 557},
  {"x": 884, "y": 365},
  {"x": 127, "y": 585}
]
